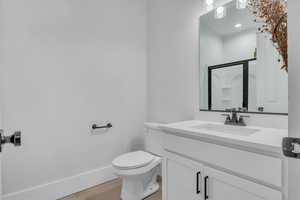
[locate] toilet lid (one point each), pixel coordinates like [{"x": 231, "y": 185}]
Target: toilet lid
[{"x": 133, "y": 160}]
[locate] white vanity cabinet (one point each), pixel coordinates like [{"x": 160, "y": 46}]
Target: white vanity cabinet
[
  {"x": 187, "y": 179},
  {"x": 200, "y": 169}
]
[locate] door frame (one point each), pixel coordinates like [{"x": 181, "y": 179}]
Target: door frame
[{"x": 294, "y": 95}]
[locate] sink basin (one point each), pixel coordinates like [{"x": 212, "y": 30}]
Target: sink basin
[{"x": 227, "y": 129}]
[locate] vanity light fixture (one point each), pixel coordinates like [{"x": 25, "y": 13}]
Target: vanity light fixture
[
  {"x": 220, "y": 12},
  {"x": 238, "y": 25},
  {"x": 209, "y": 5},
  {"x": 241, "y": 4}
]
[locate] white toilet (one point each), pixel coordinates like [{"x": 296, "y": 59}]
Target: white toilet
[{"x": 139, "y": 169}]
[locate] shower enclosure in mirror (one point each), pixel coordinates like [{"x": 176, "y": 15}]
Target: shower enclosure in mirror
[{"x": 239, "y": 66}]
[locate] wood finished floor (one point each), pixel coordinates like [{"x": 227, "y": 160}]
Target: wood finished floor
[{"x": 106, "y": 191}]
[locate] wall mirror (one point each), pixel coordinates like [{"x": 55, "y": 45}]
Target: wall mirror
[{"x": 239, "y": 66}]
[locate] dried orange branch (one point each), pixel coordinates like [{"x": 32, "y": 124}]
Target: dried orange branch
[{"x": 273, "y": 16}]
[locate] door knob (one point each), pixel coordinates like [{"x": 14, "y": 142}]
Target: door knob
[
  {"x": 14, "y": 139},
  {"x": 291, "y": 147}
]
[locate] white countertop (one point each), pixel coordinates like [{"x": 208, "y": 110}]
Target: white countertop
[{"x": 267, "y": 139}]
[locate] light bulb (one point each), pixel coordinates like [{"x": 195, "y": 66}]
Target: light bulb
[
  {"x": 209, "y": 2},
  {"x": 209, "y": 5},
  {"x": 220, "y": 12},
  {"x": 241, "y": 4}
]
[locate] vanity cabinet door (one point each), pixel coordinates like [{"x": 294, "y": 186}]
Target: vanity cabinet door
[
  {"x": 183, "y": 179},
  {"x": 222, "y": 186}
]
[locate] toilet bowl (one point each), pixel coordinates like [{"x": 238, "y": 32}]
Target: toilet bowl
[
  {"x": 139, "y": 172},
  {"x": 139, "y": 169}
]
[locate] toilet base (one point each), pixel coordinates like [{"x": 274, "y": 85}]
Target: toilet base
[
  {"x": 135, "y": 196},
  {"x": 151, "y": 190},
  {"x": 138, "y": 187}
]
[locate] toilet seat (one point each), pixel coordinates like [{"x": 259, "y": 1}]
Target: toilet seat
[
  {"x": 141, "y": 166},
  {"x": 133, "y": 160}
]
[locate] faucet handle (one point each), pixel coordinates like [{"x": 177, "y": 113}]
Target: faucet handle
[
  {"x": 241, "y": 121},
  {"x": 228, "y": 118}
]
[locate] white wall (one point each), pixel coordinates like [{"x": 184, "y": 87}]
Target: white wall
[
  {"x": 209, "y": 42},
  {"x": 173, "y": 59},
  {"x": 65, "y": 64},
  {"x": 239, "y": 46}
]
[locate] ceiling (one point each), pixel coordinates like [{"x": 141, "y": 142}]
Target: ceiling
[{"x": 226, "y": 25}]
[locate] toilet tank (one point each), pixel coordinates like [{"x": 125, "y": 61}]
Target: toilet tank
[{"x": 154, "y": 138}]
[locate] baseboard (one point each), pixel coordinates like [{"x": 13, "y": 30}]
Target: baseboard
[{"x": 64, "y": 187}]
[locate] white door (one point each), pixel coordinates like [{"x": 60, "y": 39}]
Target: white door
[
  {"x": 183, "y": 179},
  {"x": 294, "y": 94},
  {"x": 219, "y": 186}
]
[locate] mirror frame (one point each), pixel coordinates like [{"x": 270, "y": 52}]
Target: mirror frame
[{"x": 249, "y": 112}]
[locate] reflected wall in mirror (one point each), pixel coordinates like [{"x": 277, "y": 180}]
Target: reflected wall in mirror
[{"x": 239, "y": 66}]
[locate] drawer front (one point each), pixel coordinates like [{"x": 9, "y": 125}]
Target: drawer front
[{"x": 260, "y": 167}]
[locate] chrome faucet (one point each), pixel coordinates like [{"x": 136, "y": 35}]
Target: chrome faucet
[{"x": 233, "y": 119}]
